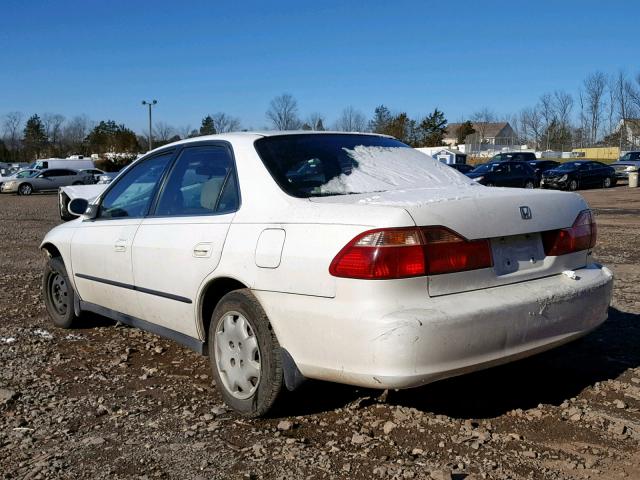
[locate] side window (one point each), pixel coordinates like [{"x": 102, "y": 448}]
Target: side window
[
  {"x": 52, "y": 173},
  {"x": 132, "y": 194},
  {"x": 67, "y": 173},
  {"x": 202, "y": 182}
]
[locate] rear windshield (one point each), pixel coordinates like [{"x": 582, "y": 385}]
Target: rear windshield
[{"x": 317, "y": 165}]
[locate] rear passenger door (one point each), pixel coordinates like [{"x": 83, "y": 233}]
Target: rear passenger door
[{"x": 181, "y": 241}]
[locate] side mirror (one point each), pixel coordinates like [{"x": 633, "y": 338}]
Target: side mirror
[{"x": 78, "y": 206}]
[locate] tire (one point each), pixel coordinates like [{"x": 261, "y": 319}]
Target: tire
[
  {"x": 607, "y": 183},
  {"x": 239, "y": 318},
  {"x": 58, "y": 294},
  {"x": 25, "y": 189},
  {"x": 529, "y": 184},
  {"x": 573, "y": 185}
]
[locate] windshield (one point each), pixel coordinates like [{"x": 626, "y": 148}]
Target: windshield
[
  {"x": 313, "y": 165},
  {"x": 485, "y": 168},
  {"x": 569, "y": 166}
]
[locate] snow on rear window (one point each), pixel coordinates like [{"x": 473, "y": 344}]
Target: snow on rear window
[{"x": 378, "y": 169}]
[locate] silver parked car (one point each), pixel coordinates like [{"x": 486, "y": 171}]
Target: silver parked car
[
  {"x": 629, "y": 162},
  {"x": 47, "y": 180}
]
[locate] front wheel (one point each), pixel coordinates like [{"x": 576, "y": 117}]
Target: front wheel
[
  {"x": 58, "y": 294},
  {"x": 573, "y": 185},
  {"x": 25, "y": 189},
  {"x": 245, "y": 354},
  {"x": 529, "y": 184},
  {"x": 607, "y": 183}
]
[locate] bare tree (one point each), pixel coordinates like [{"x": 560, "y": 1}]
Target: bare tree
[
  {"x": 163, "y": 132},
  {"x": 351, "y": 120},
  {"x": 225, "y": 123},
  {"x": 11, "y": 129},
  {"x": 283, "y": 112},
  {"x": 480, "y": 119},
  {"x": 594, "y": 87},
  {"x": 623, "y": 96},
  {"x": 562, "y": 106},
  {"x": 53, "y": 123},
  {"x": 75, "y": 131},
  {"x": 184, "y": 131},
  {"x": 531, "y": 124}
]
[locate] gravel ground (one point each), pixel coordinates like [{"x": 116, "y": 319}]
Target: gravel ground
[{"x": 109, "y": 401}]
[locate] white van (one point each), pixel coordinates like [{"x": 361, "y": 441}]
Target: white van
[{"x": 75, "y": 163}]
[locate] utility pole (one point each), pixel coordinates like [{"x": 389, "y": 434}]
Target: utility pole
[{"x": 150, "y": 104}]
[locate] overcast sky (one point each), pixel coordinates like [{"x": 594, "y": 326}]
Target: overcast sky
[{"x": 103, "y": 57}]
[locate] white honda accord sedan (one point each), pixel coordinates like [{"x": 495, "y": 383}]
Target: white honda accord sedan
[{"x": 350, "y": 258}]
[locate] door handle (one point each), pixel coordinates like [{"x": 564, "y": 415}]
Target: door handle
[
  {"x": 120, "y": 246},
  {"x": 202, "y": 250}
]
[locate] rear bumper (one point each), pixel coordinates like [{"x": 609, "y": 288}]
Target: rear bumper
[{"x": 445, "y": 336}]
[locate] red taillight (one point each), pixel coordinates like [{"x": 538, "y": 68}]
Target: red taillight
[
  {"x": 409, "y": 252},
  {"x": 448, "y": 252},
  {"x": 580, "y": 236}
]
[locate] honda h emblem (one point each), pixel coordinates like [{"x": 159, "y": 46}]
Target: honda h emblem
[{"x": 525, "y": 213}]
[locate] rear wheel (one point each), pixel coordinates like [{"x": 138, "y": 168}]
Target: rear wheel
[
  {"x": 25, "y": 189},
  {"x": 245, "y": 354},
  {"x": 529, "y": 184},
  {"x": 573, "y": 185},
  {"x": 58, "y": 294},
  {"x": 607, "y": 182}
]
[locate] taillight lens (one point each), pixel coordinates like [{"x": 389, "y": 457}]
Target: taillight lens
[
  {"x": 409, "y": 252},
  {"x": 580, "y": 236}
]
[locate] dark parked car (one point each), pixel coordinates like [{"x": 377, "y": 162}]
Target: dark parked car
[
  {"x": 541, "y": 166},
  {"x": 504, "y": 174},
  {"x": 514, "y": 157},
  {"x": 579, "y": 174},
  {"x": 462, "y": 167},
  {"x": 627, "y": 163}
]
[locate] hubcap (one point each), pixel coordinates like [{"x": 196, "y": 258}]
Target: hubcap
[
  {"x": 237, "y": 355},
  {"x": 59, "y": 293},
  {"x": 25, "y": 189}
]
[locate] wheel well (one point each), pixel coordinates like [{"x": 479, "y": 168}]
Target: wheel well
[
  {"x": 214, "y": 291},
  {"x": 51, "y": 250}
]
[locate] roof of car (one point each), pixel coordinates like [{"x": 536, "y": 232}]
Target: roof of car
[{"x": 254, "y": 135}]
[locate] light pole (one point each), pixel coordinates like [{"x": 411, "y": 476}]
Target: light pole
[{"x": 150, "y": 104}]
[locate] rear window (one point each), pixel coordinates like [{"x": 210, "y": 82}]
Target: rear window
[{"x": 314, "y": 165}]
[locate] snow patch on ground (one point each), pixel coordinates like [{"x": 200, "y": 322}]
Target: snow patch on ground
[
  {"x": 391, "y": 168},
  {"x": 8, "y": 340},
  {"x": 39, "y": 332}
]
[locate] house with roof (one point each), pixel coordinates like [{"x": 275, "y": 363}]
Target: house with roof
[
  {"x": 489, "y": 133},
  {"x": 630, "y": 129}
]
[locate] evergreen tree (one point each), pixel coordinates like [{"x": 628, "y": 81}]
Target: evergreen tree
[
  {"x": 432, "y": 129},
  {"x": 34, "y": 137},
  {"x": 108, "y": 136},
  {"x": 320, "y": 125},
  {"x": 208, "y": 126},
  {"x": 306, "y": 126},
  {"x": 464, "y": 131},
  {"x": 381, "y": 119}
]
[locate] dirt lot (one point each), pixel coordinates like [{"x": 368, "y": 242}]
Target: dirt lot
[{"x": 109, "y": 401}]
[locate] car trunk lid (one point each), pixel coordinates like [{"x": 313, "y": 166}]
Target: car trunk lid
[{"x": 511, "y": 219}]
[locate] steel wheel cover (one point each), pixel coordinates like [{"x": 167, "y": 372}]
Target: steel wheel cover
[
  {"x": 59, "y": 292},
  {"x": 237, "y": 355}
]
